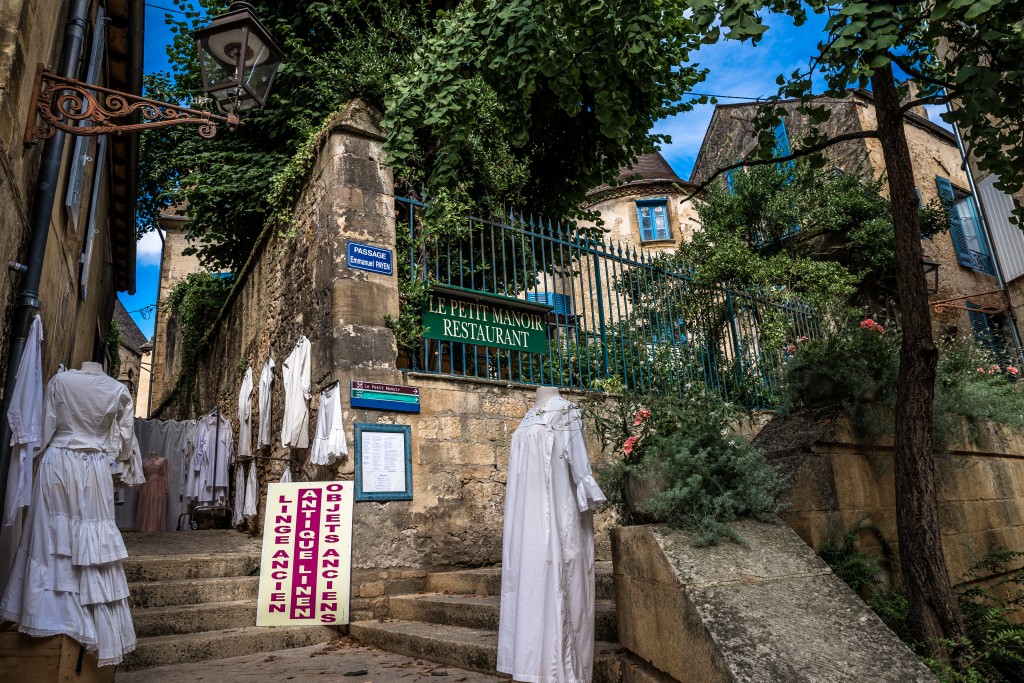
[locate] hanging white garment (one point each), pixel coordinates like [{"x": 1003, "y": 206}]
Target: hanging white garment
[
  {"x": 214, "y": 449},
  {"x": 252, "y": 492},
  {"x": 329, "y": 441},
  {"x": 25, "y": 417},
  {"x": 286, "y": 478},
  {"x": 245, "y": 416},
  {"x": 67, "y": 576},
  {"x": 546, "y": 620},
  {"x": 295, "y": 426},
  {"x": 266, "y": 380},
  {"x": 236, "y": 512}
]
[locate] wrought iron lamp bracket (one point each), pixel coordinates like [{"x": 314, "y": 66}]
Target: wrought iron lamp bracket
[
  {"x": 65, "y": 103},
  {"x": 993, "y": 302}
]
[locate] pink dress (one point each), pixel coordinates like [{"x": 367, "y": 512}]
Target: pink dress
[{"x": 151, "y": 513}]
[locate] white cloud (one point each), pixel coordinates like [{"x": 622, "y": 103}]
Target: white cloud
[{"x": 148, "y": 249}]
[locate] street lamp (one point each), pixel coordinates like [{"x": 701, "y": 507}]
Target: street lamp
[{"x": 238, "y": 60}]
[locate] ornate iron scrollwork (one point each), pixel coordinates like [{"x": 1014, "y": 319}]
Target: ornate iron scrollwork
[{"x": 64, "y": 103}]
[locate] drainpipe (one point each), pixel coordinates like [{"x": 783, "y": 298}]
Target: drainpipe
[
  {"x": 983, "y": 219},
  {"x": 42, "y": 207}
]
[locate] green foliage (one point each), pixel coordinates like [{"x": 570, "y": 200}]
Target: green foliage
[
  {"x": 821, "y": 235},
  {"x": 710, "y": 475},
  {"x": 232, "y": 185},
  {"x": 856, "y": 369},
  {"x": 195, "y": 303},
  {"x": 992, "y": 650},
  {"x": 858, "y": 570},
  {"x": 572, "y": 91},
  {"x": 113, "y": 349},
  {"x": 491, "y": 103}
]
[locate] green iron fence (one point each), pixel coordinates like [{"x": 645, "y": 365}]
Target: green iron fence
[{"x": 616, "y": 316}]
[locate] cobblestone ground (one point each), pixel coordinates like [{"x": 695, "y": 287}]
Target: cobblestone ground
[{"x": 338, "y": 660}]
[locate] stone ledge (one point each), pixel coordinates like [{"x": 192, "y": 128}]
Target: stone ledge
[{"x": 767, "y": 612}]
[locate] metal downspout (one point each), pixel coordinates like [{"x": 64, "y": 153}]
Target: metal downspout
[{"x": 42, "y": 207}]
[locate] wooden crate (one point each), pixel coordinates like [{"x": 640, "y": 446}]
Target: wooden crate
[{"x": 55, "y": 659}]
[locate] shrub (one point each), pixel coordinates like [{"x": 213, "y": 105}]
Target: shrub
[{"x": 710, "y": 474}]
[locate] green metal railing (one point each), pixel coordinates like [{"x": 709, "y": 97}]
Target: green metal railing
[{"x": 619, "y": 317}]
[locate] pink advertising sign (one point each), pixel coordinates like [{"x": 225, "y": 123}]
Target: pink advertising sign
[{"x": 307, "y": 554}]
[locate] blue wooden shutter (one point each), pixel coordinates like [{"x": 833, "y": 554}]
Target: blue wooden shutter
[
  {"x": 956, "y": 229},
  {"x": 981, "y": 235},
  {"x": 782, "y": 147},
  {"x": 920, "y": 202},
  {"x": 982, "y": 330}
]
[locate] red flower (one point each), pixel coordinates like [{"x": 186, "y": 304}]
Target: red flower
[
  {"x": 1012, "y": 370},
  {"x": 791, "y": 348},
  {"x": 641, "y": 416},
  {"x": 879, "y": 329},
  {"x": 867, "y": 324},
  {"x": 630, "y": 444}
]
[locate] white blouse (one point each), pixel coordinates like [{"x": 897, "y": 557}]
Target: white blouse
[
  {"x": 88, "y": 410},
  {"x": 295, "y": 427}
]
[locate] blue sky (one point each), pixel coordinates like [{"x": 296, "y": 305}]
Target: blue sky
[{"x": 737, "y": 70}]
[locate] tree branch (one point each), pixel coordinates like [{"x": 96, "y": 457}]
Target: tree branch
[
  {"x": 939, "y": 99},
  {"x": 902, "y": 63},
  {"x": 798, "y": 154}
]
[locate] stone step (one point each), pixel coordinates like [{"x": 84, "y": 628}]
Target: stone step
[
  {"x": 481, "y": 612},
  {"x": 192, "y": 592},
  {"x": 465, "y": 648},
  {"x": 176, "y": 567},
  {"x": 487, "y": 581},
  {"x": 199, "y": 647},
  {"x": 212, "y": 616}
]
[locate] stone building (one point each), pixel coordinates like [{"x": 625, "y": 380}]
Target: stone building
[
  {"x": 966, "y": 255},
  {"x": 90, "y": 249},
  {"x": 175, "y": 266},
  {"x": 130, "y": 350},
  {"x": 650, "y": 207}
]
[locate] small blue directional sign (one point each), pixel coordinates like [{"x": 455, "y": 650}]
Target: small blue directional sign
[
  {"x": 373, "y": 259},
  {"x": 377, "y": 396}
]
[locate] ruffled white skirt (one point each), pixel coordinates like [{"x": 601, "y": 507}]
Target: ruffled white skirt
[{"x": 67, "y": 576}]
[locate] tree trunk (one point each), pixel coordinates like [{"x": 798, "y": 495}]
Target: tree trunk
[{"x": 934, "y": 612}]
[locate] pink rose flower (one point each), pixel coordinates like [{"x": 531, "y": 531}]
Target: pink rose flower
[
  {"x": 629, "y": 445},
  {"x": 641, "y": 416},
  {"x": 879, "y": 329},
  {"x": 791, "y": 348},
  {"x": 1012, "y": 370},
  {"x": 981, "y": 370},
  {"x": 995, "y": 368},
  {"x": 867, "y": 324}
]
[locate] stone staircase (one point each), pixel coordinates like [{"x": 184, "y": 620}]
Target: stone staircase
[
  {"x": 455, "y": 623},
  {"x": 193, "y": 598}
]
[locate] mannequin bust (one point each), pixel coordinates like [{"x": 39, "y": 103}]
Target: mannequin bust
[
  {"x": 545, "y": 394},
  {"x": 153, "y": 455},
  {"x": 89, "y": 366}
]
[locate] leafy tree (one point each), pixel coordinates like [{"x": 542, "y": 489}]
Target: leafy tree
[
  {"x": 824, "y": 236},
  {"x": 964, "y": 51},
  {"x": 488, "y": 103}
]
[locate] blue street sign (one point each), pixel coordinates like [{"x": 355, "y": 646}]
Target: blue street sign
[
  {"x": 373, "y": 259},
  {"x": 377, "y": 396}
]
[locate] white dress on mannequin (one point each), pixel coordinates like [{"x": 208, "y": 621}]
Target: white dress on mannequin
[
  {"x": 67, "y": 576},
  {"x": 546, "y": 623}
]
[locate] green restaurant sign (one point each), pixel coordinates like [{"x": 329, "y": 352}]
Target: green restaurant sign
[{"x": 501, "y": 322}]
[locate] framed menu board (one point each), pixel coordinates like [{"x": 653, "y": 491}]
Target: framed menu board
[{"x": 383, "y": 461}]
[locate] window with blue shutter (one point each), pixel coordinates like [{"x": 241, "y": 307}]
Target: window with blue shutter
[
  {"x": 989, "y": 332},
  {"x": 652, "y": 216},
  {"x": 964, "y": 227}
]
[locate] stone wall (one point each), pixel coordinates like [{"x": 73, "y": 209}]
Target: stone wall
[
  {"x": 838, "y": 479},
  {"x": 297, "y": 283}
]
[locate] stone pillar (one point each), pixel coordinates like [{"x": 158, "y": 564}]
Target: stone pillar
[{"x": 360, "y": 208}]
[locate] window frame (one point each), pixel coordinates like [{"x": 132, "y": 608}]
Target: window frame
[{"x": 652, "y": 204}]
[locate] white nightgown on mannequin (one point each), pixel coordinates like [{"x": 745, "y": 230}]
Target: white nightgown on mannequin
[
  {"x": 67, "y": 576},
  {"x": 546, "y": 624}
]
